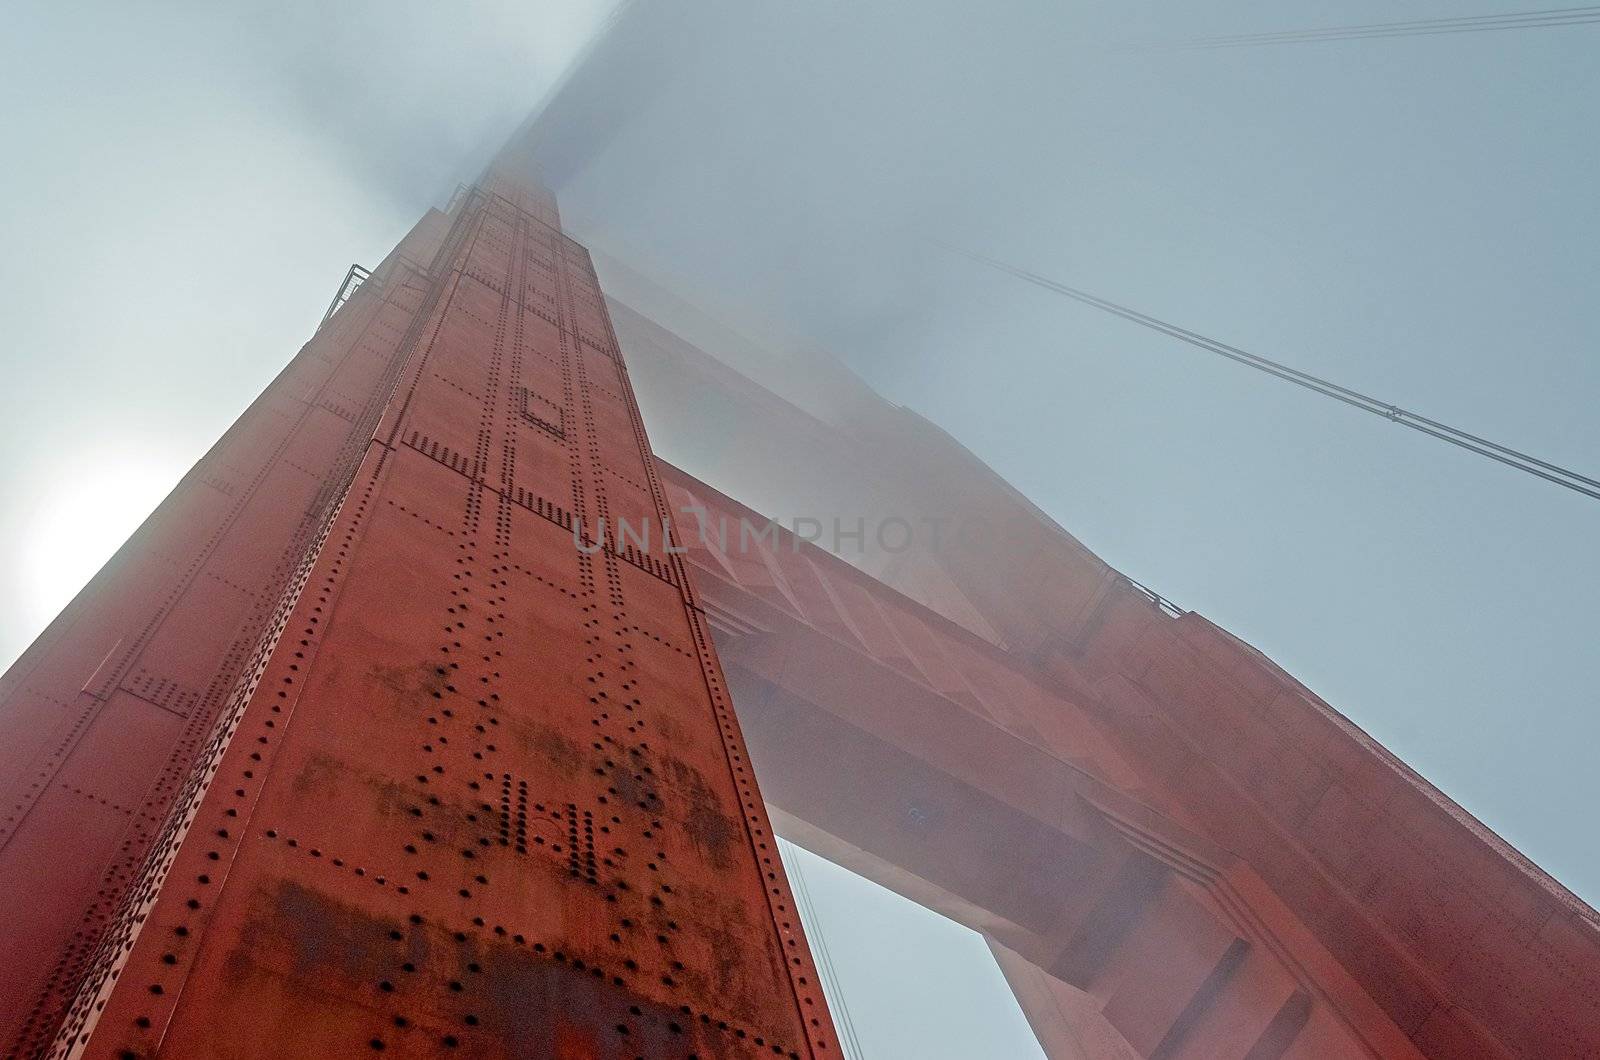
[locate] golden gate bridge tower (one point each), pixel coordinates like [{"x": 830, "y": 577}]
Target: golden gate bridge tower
[{"x": 377, "y": 737}]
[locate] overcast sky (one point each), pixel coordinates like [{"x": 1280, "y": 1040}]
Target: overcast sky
[
  {"x": 1413, "y": 217},
  {"x": 182, "y": 190}
]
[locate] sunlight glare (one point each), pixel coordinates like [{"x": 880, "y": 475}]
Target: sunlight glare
[{"x": 82, "y": 516}]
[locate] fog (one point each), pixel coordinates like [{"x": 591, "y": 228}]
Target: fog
[
  {"x": 184, "y": 187},
  {"x": 182, "y": 190},
  {"x": 1409, "y": 216}
]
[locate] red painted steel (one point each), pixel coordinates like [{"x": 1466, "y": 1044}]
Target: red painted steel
[
  {"x": 1115, "y": 793},
  {"x": 893, "y": 741},
  {"x": 103, "y": 716},
  {"x": 1175, "y": 848},
  {"x": 441, "y": 781},
  {"x": 352, "y": 749}
]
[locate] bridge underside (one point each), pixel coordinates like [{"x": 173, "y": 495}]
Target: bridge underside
[{"x": 1173, "y": 848}]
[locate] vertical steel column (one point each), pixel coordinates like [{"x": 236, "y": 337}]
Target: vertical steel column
[{"x": 478, "y": 788}]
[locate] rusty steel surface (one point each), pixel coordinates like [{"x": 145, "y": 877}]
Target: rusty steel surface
[
  {"x": 894, "y": 742},
  {"x": 102, "y": 718},
  {"x": 352, "y": 749},
  {"x": 451, "y": 785},
  {"x": 1174, "y": 848}
]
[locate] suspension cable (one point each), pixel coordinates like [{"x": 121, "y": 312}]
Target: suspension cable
[
  {"x": 1547, "y": 18},
  {"x": 1550, "y": 472},
  {"x": 832, "y": 989}
]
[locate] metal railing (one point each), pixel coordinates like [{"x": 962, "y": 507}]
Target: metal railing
[{"x": 354, "y": 277}]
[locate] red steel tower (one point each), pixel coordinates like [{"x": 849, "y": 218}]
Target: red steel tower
[
  {"x": 374, "y": 738},
  {"x": 380, "y": 735}
]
